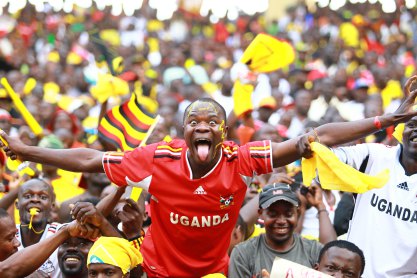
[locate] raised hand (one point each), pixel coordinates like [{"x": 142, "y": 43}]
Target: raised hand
[
  {"x": 85, "y": 212},
  {"x": 314, "y": 196},
  {"x": 405, "y": 111},
  {"x": 303, "y": 146},
  {"x": 88, "y": 231},
  {"x": 131, "y": 217},
  {"x": 11, "y": 146}
]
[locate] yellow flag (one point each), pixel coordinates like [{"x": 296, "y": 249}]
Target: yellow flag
[
  {"x": 336, "y": 175},
  {"x": 266, "y": 53}
]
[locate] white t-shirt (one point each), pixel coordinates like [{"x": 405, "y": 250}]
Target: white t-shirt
[
  {"x": 384, "y": 222},
  {"x": 50, "y": 266},
  {"x": 311, "y": 224}
]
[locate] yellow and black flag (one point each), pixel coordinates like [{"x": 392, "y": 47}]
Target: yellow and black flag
[{"x": 126, "y": 125}]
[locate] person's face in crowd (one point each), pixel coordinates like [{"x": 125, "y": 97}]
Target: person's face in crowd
[
  {"x": 35, "y": 194},
  {"x": 360, "y": 94},
  {"x": 340, "y": 262},
  {"x": 341, "y": 93},
  {"x": 46, "y": 110},
  {"x": 105, "y": 270},
  {"x": 280, "y": 220},
  {"x": 268, "y": 132},
  {"x": 410, "y": 138},
  {"x": 8, "y": 240},
  {"x": 5, "y": 124},
  {"x": 265, "y": 113},
  {"x": 328, "y": 89},
  {"x": 204, "y": 132},
  {"x": 373, "y": 108},
  {"x": 158, "y": 134},
  {"x": 72, "y": 256},
  {"x": 62, "y": 120},
  {"x": 302, "y": 102}
]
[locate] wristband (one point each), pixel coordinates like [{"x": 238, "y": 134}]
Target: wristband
[
  {"x": 321, "y": 210},
  {"x": 377, "y": 123}
]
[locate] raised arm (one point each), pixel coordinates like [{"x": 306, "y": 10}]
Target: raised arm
[
  {"x": 339, "y": 133},
  {"x": 25, "y": 261},
  {"x": 75, "y": 160}
]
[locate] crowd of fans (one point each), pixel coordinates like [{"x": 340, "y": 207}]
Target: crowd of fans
[{"x": 351, "y": 64}]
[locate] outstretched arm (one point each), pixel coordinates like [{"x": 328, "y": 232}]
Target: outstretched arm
[
  {"x": 339, "y": 133},
  {"x": 75, "y": 160}
]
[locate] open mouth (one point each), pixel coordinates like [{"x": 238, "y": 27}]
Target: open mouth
[
  {"x": 281, "y": 230},
  {"x": 72, "y": 259},
  {"x": 34, "y": 210},
  {"x": 203, "y": 147}
]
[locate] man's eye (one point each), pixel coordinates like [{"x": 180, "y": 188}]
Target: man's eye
[
  {"x": 44, "y": 197},
  {"x": 193, "y": 123},
  {"x": 331, "y": 268},
  {"x": 212, "y": 123},
  {"x": 27, "y": 196}
]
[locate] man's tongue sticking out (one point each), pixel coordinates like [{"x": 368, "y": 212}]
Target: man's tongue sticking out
[{"x": 203, "y": 150}]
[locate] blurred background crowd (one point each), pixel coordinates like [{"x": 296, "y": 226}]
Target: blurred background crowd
[{"x": 351, "y": 63}]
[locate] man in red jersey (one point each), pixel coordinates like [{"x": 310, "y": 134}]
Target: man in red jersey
[{"x": 198, "y": 184}]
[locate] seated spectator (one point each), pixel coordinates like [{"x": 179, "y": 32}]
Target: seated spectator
[{"x": 279, "y": 209}]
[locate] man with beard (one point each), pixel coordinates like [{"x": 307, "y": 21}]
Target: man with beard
[
  {"x": 197, "y": 184},
  {"x": 72, "y": 257}
]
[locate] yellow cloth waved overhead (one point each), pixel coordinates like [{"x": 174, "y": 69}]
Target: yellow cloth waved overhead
[
  {"x": 266, "y": 53},
  {"x": 107, "y": 86},
  {"x": 337, "y": 175},
  {"x": 242, "y": 98},
  {"x": 114, "y": 251}
]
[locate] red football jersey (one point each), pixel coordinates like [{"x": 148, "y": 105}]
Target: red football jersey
[{"x": 192, "y": 219}]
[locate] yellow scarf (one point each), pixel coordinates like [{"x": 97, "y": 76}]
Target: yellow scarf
[
  {"x": 337, "y": 175},
  {"x": 114, "y": 251}
]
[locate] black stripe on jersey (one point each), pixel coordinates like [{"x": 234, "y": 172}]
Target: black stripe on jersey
[
  {"x": 260, "y": 156},
  {"x": 228, "y": 159},
  {"x": 167, "y": 155},
  {"x": 113, "y": 161}
]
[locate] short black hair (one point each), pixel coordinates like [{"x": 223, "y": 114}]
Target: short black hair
[
  {"x": 344, "y": 245},
  {"x": 208, "y": 100},
  {"x": 3, "y": 213},
  {"x": 45, "y": 182}
]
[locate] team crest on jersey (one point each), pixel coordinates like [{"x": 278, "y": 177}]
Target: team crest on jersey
[
  {"x": 225, "y": 202},
  {"x": 47, "y": 267}
]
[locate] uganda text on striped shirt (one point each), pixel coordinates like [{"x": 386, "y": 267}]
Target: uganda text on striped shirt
[{"x": 404, "y": 214}]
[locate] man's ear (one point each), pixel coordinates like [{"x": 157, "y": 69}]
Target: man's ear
[
  {"x": 226, "y": 130},
  {"x": 316, "y": 266},
  {"x": 260, "y": 213},
  {"x": 17, "y": 205}
]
